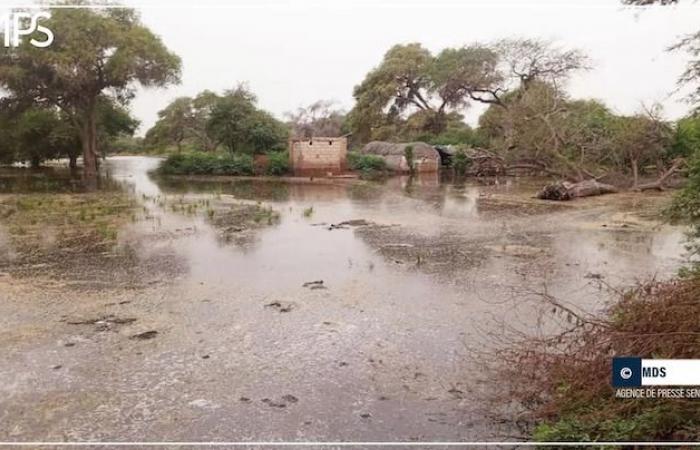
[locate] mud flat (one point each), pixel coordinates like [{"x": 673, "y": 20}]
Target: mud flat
[{"x": 266, "y": 310}]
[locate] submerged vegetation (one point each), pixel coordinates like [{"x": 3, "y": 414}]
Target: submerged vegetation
[
  {"x": 200, "y": 163},
  {"x": 367, "y": 165},
  {"x": 60, "y": 231}
]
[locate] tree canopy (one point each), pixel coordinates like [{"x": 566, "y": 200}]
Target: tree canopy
[
  {"x": 209, "y": 120},
  {"x": 96, "y": 53},
  {"x": 410, "y": 79}
]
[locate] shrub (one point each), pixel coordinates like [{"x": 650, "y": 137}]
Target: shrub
[
  {"x": 460, "y": 162},
  {"x": 200, "y": 163},
  {"x": 408, "y": 154},
  {"x": 366, "y": 163},
  {"x": 563, "y": 379},
  {"x": 277, "y": 163},
  {"x": 686, "y": 208}
]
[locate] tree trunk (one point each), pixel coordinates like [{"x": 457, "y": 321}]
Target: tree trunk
[
  {"x": 73, "y": 161},
  {"x": 635, "y": 173},
  {"x": 89, "y": 141},
  {"x": 567, "y": 191}
]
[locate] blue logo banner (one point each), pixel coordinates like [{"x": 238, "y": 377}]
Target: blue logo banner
[{"x": 626, "y": 372}]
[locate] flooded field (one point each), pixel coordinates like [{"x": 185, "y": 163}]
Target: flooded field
[{"x": 256, "y": 310}]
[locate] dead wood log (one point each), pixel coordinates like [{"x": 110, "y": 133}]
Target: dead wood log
[
  {"x": 564, "y": 190},
  {"x": 659, "y": 184}
]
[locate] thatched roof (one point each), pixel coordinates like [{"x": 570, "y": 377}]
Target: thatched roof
[{"x": 420, "y": 149}]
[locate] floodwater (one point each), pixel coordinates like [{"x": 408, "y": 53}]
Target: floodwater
[{"x": 244, "y": 351}]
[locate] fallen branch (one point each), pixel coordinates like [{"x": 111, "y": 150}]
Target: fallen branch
[
  {"x": 564, "y": 190},
  {"x": 659, "y": 184}
]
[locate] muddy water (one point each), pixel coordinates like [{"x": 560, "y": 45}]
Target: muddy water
[{"x": 245, "y": 351}]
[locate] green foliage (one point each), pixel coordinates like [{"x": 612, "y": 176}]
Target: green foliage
[
  {"x": 413, "y": 85},
  {"x": 96, "y": 53},
  {"x": 236, "y": 123},
  {"x": 366, "y": 163},
  {"x": 408, "y": 155},
  {"x": 660, "y": 419},
  {"x": 686, "y": 208},
  {"x": 278, "y": 163},
  {"x": 461, "y": 162},
  {"x": 265, "y": 133},
  {"x": 409, "y": 75},
  {"x": 686, "y": 137},
  {"x": 208, "y": 120},
  {"x": 200, "y": 163},
  {"x": 35, "y": 134}
]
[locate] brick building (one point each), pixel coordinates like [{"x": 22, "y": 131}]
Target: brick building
[{"x": 318, "y": 155}]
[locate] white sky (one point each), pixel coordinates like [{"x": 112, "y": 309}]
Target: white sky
[{"x": 294, "y": 52}]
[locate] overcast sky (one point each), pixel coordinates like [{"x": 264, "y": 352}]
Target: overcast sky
[{"x": 294, "y": 52}]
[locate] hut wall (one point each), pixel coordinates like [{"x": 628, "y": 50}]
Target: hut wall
[{"x": 318, "y": 156}]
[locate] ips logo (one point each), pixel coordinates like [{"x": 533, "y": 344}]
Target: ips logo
[{"x": 20, "y": 24}]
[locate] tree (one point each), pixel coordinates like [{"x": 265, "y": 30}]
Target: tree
[
  {"x": 31, "y": 135},
  {"x": 229, "y": 119},
  {"x": 686, "y": 137},
  {"x": 317, "y": 119},
  {"x": 411, "y": 81},
  {"x": 237, "y": 123},
  {"x": 172, "y": 124},
  {"x": 184, "y": 122},
  {"x": 38, "y": 133},
  {"x": 540, "y": 126},
  {"x": 642, "y": 139},
  {"x": 114, "y": 122},
  {"x": 96, "y": 52},
  {"x": 265, "y": 133}
]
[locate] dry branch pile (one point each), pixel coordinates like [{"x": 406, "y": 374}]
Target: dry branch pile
[{"x": 561, "y": 380}]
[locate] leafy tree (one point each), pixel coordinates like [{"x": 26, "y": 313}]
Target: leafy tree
[
  {"x": 411, "y": 82},
  {"x": 172, "y": 124},
  {"x": 230, "y": 118},
  {"x": 541, "y": 126},
  {"x": 96, "y": 53},
  {"x": 686, "y": 137},
  {"x": 31, "y": 135},
  {"x": 240, "y": 126},
  {"x": 410, "y": 78},
  {"x": 114, "y": 122},
  {"x": 265, "y": 133},
  {"x": 184, "y": 121},
  {"x": 642, "y": 139}
]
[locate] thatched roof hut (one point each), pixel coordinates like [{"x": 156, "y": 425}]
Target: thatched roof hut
[{"x": 425, "y": 157}]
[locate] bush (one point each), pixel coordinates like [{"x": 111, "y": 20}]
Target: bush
[
  {"x": 460, "y": 162},
  {"x": 408, "y": 154},
  {"x": 278, "y": 163},
  {"x": 563, "y": 379},
  {"x": 686, "y": 208},
  {"x": 366, "y": 163},
  {"x": 200, "y": 163}
]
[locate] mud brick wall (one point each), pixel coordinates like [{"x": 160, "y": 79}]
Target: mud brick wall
[{"x": 318, "y": 155}]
